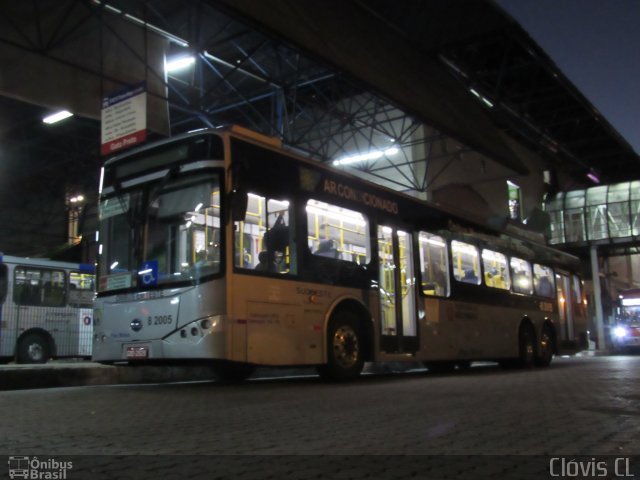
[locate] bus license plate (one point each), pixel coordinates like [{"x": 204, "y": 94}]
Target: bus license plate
[{"x": 137, "y": 351}]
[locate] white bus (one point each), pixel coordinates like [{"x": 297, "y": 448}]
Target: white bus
[
  {"x": 625, "y": 332},
  {"x": 223, "y": 247},
  {"x": 45, "y": 309}
]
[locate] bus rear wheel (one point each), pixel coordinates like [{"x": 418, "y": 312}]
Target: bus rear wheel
[
  {"x": 33, "y": 348},
  {"x": 527, "y": 346},
  {"x": 345, "y": 354},
  {"x": 545, "y": 347}
]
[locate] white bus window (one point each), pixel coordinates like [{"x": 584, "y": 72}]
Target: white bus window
[
  {"x": 521, "y": 274},
  {"x": 337, "y": 232},
  {"x": 81, "y": 287},
  {"x": 434, "y": 265},
  {"x": 543, "y": 281},
  {"x": 39, "y": 287},
  {"x": 466, "y": 262},
  {"x": 263, "y": 241},
  {"x": 496, "y": 270}
]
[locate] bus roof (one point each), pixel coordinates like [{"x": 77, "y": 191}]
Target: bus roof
[{"x": 45, "y": 262}]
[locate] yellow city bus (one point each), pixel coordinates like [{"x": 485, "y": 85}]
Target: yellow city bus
[{"x": 221, "y": 246}]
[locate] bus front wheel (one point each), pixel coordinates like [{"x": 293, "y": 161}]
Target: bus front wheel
[
  {"x": 345, "y": 348},
  {"x": 33, "y": 348}
]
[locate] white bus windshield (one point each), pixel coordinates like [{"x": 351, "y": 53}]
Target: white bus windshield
[{"x": 162, "y": 233}]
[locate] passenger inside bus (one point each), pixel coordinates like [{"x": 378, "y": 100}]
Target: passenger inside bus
[
  {"x": 327, "y": 248},
  {"x": 263, "y": 263},
  {"x": 276, "y": 240},
  {"x": 469, "y": 276}
]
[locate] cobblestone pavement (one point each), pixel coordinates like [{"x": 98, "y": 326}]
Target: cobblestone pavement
[{"x": 484, "y": 423}]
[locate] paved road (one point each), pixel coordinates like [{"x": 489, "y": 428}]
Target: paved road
[{"x": 582, "y": 406}]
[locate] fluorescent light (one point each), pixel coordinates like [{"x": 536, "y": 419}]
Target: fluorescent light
[
  {"x": 372, "y": 155},
  {"x": 484, "y": 99},
  {"x": 56, "y": 117},
  {"x": 179, "y": 63},
  {"x": 593, "y": 176},
  {"x": 113, "y": 265}
]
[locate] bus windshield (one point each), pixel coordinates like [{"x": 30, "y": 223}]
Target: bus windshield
[
  {"x": 164, "y": 233},
  {"x": 630, "y": 314}
]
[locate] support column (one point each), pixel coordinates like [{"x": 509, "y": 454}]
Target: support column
[{"x": 597, "y": 297}]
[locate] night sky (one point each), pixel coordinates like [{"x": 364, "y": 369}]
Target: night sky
[{"x": 596, "y": 44}]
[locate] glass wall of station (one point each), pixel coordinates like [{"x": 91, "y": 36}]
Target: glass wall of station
[{"x": 597, "y": 213}]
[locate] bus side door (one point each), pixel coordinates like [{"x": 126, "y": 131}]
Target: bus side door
[{"x": 397, "y": 288}]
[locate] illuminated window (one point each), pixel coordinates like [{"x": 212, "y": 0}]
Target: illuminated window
[
  {"x": 466, "y": 262},
  {"x": 515, "y": 201},
  {"x": 338, "y": 233},
  {"x": 496, "y": 270},
  {"x": 543, "y": 281},
  {"x": 521, "y": 275},
  {"x": 264, "y": 240},
  {"x": 434, "y": 265}
]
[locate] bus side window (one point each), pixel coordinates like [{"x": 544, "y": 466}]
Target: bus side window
[
  {"x": 434, "y": 265},
  {"x": 521, "y": 274},
  {"x": 339, "y": 244},
  {"x": 26, "y": 286},
  {"x": 338, "y": 233},
  {"x": 81, "y": 286},
  {"x": 264, "y": 240},
  {"x": 53, "y": 291},
  {"x": 543, "y": 281},
  {"x": 466, "y": 264},
  {"x": 496, "y": 271}
]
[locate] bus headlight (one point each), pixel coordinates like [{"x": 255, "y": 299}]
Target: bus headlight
[{"x": 620, "y": 332}]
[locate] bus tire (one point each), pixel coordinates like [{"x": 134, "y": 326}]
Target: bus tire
[
  {"x": 526, "y": 346},
  {"x": 232, "y": 372},
  {"x": 345, "y": 348},
  {"x": 545, "y": 351},
  {"x": 33, "y": 348}
]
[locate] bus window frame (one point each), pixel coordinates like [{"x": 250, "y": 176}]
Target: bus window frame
[
  {"x": 41, "y": 286},
  {"x": 478, "y": 260},
  {"x": 447, "y": 272},
  {"x": 513, "y": 276}
]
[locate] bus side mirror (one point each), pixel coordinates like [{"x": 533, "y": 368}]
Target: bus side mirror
[{"x": 238, "y": 201}]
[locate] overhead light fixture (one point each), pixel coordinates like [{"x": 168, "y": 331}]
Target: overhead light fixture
[
  {"x": 484, "y": 99},
  {"x": 56, "y": 117},
  {"x": 593, "y": 176},
  {"x": 179, "y": 63},
  {"x": 372, "y": 155}
]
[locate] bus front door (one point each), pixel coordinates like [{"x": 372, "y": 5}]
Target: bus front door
[{"x": 397, "y": 291}]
